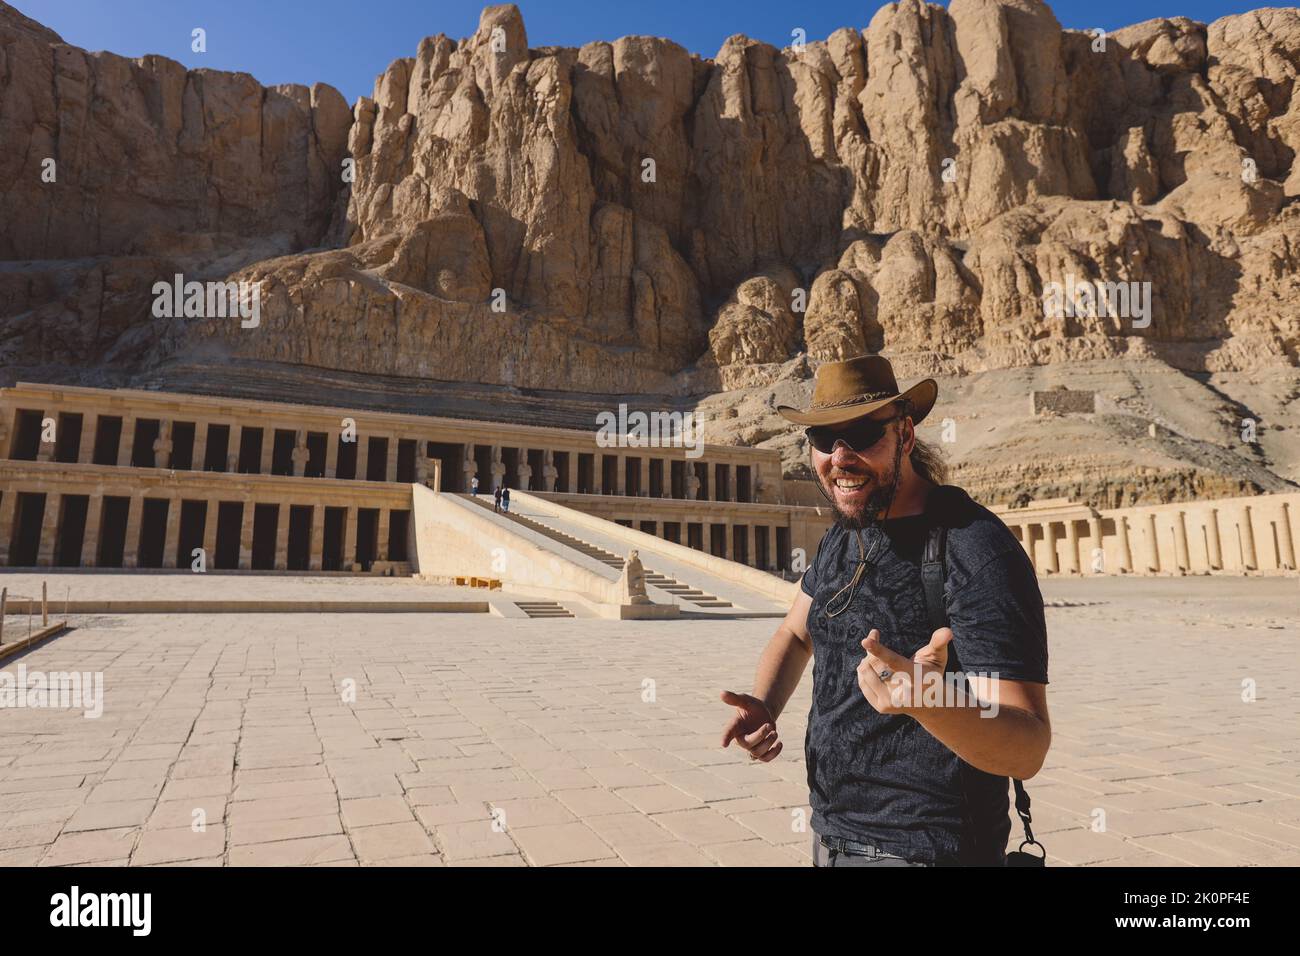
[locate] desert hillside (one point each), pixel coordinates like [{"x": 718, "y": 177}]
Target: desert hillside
[{"x": 556, "y": 225}]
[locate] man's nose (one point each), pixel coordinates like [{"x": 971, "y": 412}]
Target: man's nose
[{"x": 842, "y": 456}]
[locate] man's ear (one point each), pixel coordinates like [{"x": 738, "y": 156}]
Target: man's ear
[{"x": 907, "y": 434}]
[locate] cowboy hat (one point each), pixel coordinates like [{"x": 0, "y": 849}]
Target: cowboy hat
[{"x": 845, "y": 391}]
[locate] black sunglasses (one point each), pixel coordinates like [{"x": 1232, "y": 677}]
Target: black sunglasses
[{"x": 859, "y": 436}]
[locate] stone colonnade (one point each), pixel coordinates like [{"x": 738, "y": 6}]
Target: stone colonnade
[
  {"x": 101, "y": 519},
  {"x": 1244, "y": 535}
]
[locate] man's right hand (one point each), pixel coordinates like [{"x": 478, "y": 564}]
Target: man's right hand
[{"x": 753, "y": 727}]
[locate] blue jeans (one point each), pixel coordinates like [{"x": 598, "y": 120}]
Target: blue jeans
[{"x": 837, "y": 852}]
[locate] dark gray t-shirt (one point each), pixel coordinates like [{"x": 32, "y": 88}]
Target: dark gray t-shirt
[{"x": 883, "y": 779}]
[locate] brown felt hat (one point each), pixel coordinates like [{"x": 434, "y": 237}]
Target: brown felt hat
[{"x": 844, "y": 391}]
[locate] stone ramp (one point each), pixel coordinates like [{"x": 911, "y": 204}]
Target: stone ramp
[
  {"x": 456, "y": 536},
  {"x": 670, "y": 578},
  {"x": 673, "y": 588}
]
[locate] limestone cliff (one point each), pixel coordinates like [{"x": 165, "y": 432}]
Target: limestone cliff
[{"x": 629, "y": 217}]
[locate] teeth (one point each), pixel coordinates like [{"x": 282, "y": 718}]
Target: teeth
[{"x": 849, "y": 483}]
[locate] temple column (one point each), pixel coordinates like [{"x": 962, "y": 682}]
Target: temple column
[
  {"x": 90, "y": 539},
  {"x": 316, "y": 547},
  {"x": 1287, "y": 538},
  {"x": 233, "y": 445},
  {"x": 363, "y": 457},
  {"x": 1248, "y": 540},
  {"x": 282, "y": 537},
  {"x": 621, "y": 477},
  {"x": 268, "y": 451},
  {"x": 349, "y": 539},
  {"x": 1071, "y": 547},
  {"x": 331, "y": 454},
  {"x": 381, "y": 534},
  {"x": 390, "y": 466},
  {"x": 211, "y": 515},
  {"x": 1181, "y": 552},
  {"x": 131, "y": 550},
  {"x": 200, "y": 446},
  {"x": 171, "y": 537},
  {"x": 89, "y": 428},
  {"x": 246, "y": 535},
  {"x": 1214, "y": 544},
  {"x": 1125, "y": 550},
  {"x": 469, "y": 471},
  {"x": 1153, "y": 544},
  {"x": 8, "y": 518},
  {"x": 1049, "y": 538},
  {"x": 127, "y": 443},
  {"x": 1094, "y": 535},
  {"x": 49, "y": 531}
]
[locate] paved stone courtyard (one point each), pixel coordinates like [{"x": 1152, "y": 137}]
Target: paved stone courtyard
[{"x": 476, "y": 740}]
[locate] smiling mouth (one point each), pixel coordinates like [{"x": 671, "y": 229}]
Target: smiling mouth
[{"x": 850, "y": 484}]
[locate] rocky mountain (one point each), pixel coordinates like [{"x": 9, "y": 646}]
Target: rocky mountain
[{"x": 627, "y": 217}]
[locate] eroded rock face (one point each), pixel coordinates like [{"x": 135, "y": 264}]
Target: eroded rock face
[
  {"x": 148, "y": 157},
  {"x": 629, "y": 217}
]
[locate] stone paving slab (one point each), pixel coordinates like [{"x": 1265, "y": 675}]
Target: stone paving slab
[{"x": 470, "y": 740}]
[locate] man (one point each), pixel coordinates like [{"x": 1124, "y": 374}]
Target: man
[
  {"x": 473, "y": 486},
  {"x": 505, "y": 499},
  {"x": 496, "y": 498},
  {"x": 896, "y": 776}
]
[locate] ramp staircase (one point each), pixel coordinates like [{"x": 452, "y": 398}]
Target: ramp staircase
[
  {"x": 543, "y": 609},
  {"x": 674, "y": 587}
]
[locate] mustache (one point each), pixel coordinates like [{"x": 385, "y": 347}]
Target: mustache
[{"x": 842, "y": 473}]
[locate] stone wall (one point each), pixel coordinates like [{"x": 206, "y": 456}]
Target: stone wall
[{"x": 1063, "y": 401}]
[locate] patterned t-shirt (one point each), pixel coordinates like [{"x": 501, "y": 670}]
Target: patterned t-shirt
[{"x": 883, "y": 779}]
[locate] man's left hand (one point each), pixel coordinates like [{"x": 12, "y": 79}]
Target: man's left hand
[{"x": 901, "y": 692}]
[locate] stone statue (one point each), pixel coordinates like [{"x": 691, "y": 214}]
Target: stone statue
[
  {"x": 300, "y": 454},
  {"x": 549, "y": 471},
  {"x": 162, "y": 446},
  {"x": 632, "y": 582},
  {"x": 692, "y": 485},
  {"x": 498, "y": 468}
]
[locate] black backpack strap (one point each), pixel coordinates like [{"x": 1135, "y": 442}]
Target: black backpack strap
[
  {"x": 932, "y": 576},
  {"x": 933, "y": 573}
]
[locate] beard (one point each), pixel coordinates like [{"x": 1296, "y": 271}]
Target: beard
[{"x": 878, "y": 501}]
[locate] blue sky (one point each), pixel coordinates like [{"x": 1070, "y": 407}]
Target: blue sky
[{"x": 346, "y": 43}]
